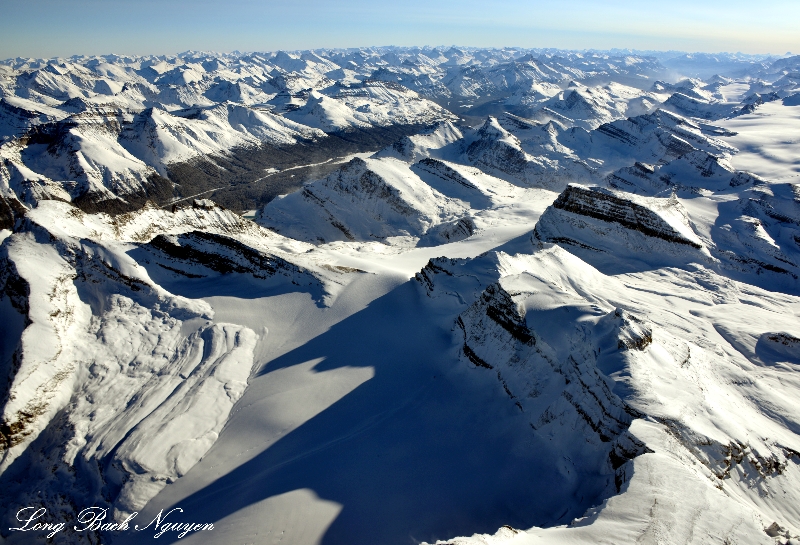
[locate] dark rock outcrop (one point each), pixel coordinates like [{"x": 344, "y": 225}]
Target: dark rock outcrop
[{"x": 606, "y": 206}]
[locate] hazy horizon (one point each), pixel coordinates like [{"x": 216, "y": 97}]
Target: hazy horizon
[
  {"x": 240, "y": 52},
  {"x": 49, "y": 28}
]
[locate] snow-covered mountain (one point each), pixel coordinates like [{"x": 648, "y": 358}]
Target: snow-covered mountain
[
  {"x": 587, "y": 107},
  {"x": 110, "y": 132},
  {"x": 526, "y": 296},
  {"x": 98, "y": 130},
  {"x": 105, "y": 327},
  {"x": 363, "y": 200}
]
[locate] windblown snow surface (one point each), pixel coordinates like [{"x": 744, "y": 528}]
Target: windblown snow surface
[{"x": 574, "y": 321}]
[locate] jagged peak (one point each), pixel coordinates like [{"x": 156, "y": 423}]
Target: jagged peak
[
  {"x": 356, "y": 165},
  {"x": 492, "y": 127},
  {"x": 492, "y": 130}
]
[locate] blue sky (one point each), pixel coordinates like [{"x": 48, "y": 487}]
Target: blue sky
[{"x": 46, "y": 28}]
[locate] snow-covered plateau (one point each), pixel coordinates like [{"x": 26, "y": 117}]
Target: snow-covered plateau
[{"x": 383, "y": 296}]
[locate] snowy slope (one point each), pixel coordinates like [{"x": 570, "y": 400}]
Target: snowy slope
[
  {"x": 365, "y": 105},
  {"x": 418, "y": 146},
  {"x": 658, "y": 137},
  {"x": 708, "y": 477},
  {"x": 160, "y": 138},
  {"x": 108, "y": 155},
  {"x": 495, "y": 150},
  {"x": 588, "y": 107},
  {"x": 694, "y": 171},
  {"x": 364, "y": 200},
  {"x": 601, "y": 224},
  {"x": 110, "y": 361}
]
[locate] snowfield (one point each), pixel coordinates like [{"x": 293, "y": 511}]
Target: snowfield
[{"x": 567, "y": 313}]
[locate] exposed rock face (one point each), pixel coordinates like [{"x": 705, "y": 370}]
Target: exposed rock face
[
  {"x": 630, "y": 331},
  {"x": 355, "y": 179},
  {"x": 773, "y": 203},
  {"x": 655, "y": 138},
  {"x": 536, "y": 138},
  {"x": 363, "y": 200},
  {"x": 419, "y": 146},
  {"x": 746, "y": 242},
  {"x": 194, "y": 253},
  {"x": 498, "y": 152},
  {"x": 453, "y": 231},
  {"x": 495, "y": 148},
  {"x": 695, "y": 171},
  {"x": 697, "y": 106},
  {"x": 10, "y": 210},
  {"x": 497, "y": 337},
  {"x": 463, "y": 183},
  {"x": 630, "y": 131},
  {"x": 630, "y": 178},
  {"x": 441, "y": 170},
  {"x": 13, "y": 286},
  {"x": 607, "y": 207},
  {"x": 547, "y": 369}
]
